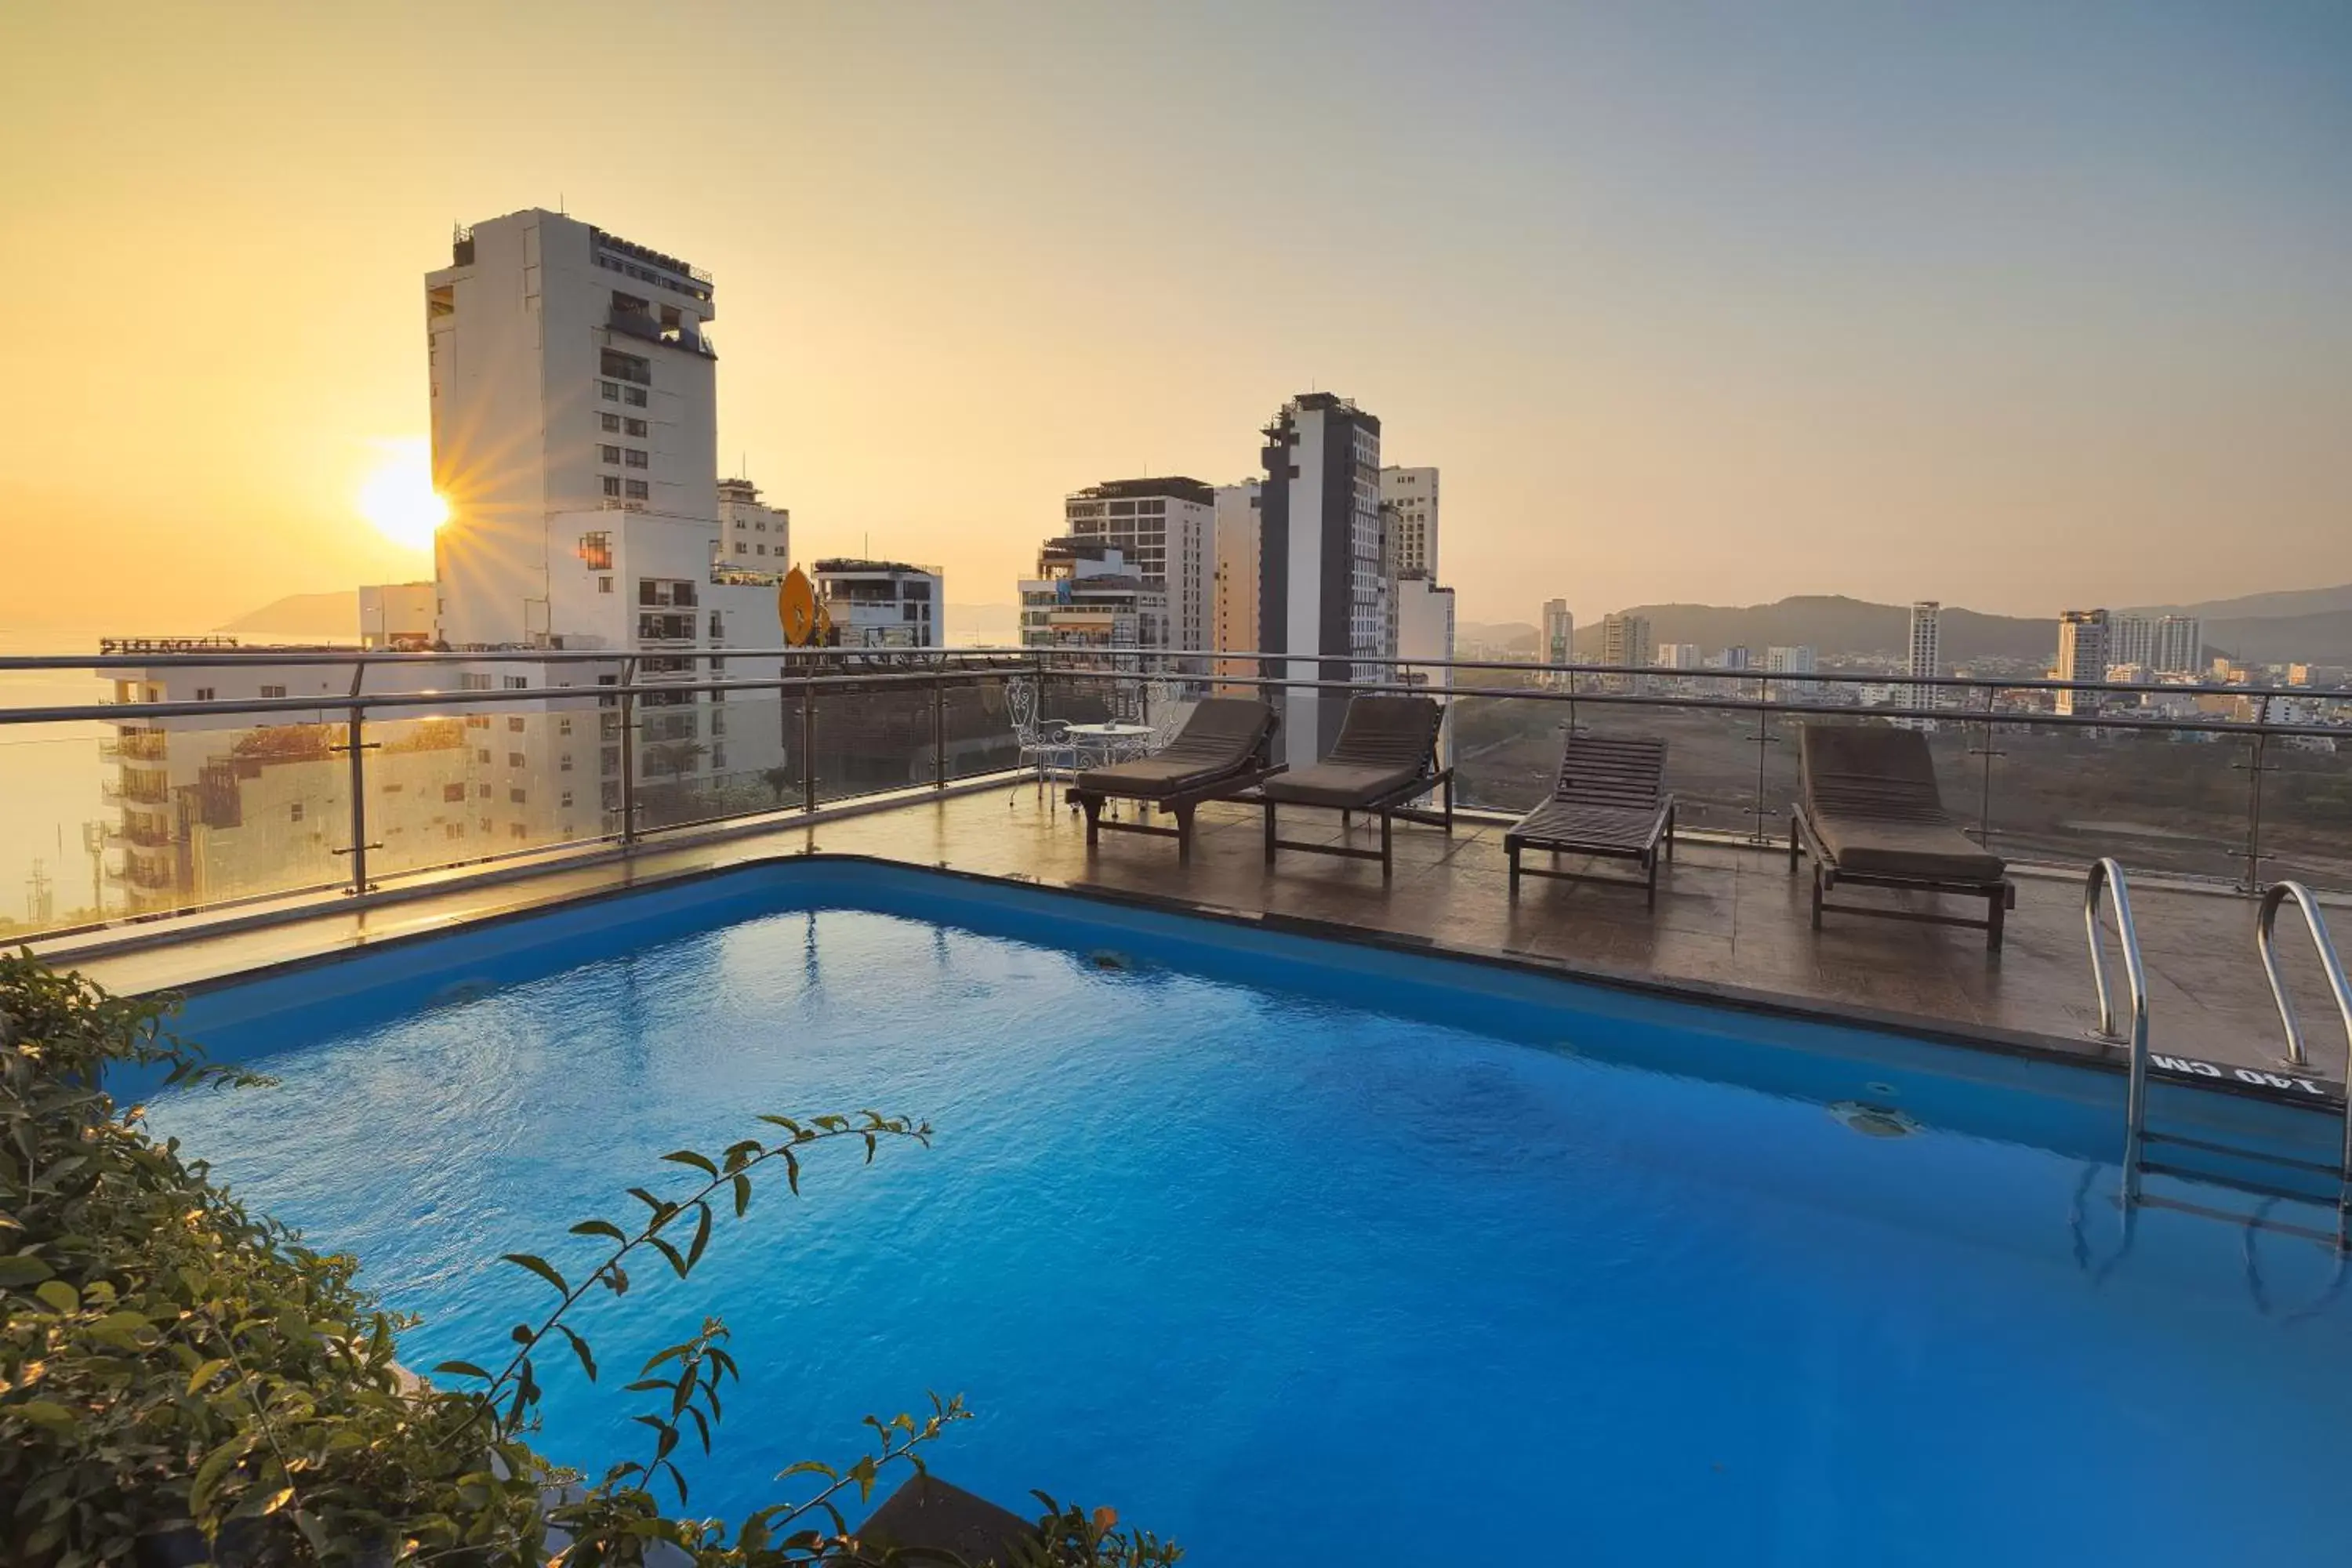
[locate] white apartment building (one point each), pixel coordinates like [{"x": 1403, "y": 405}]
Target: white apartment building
[
  {"x": 751, "y": 536},
  {"x": 1625, "y": 640},
  {"x": 1680, "y": 655},
  {"x": 2177, "y": 645},
  {"x": 882, "y": 604},
  {"x": 1801, "y": 660},
  {"x": 1235, "y": 626},
  {"x": 1165, "y": 530},
  {"x": 568, "y": 372},
  {"x": 1924, "y": 653},
  {"x": 573, "y": 402},
  {"x": 1087, "y": 594},
  {"x": 2082, "y": 656},
  {"x": 1323, "y": 594},
  {"x": 398, "y": 616},
  {"x": 1410, "y": 495}
]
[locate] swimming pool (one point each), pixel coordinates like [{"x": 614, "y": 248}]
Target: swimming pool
[{"x": 1308, "y": 1252}]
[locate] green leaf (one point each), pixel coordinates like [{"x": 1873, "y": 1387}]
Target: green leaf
[
  {"x": 47, "y": 1412},
  {"x": 206, "y": 1373},
  {"x": 676, "y": 1259},
  {"x": 22, "y": 1269},
  {"x": 743, "y": 1194},
  {"x": 460, "y": 1369},
  {"x": 688, "y": 1157},
  {"x": 580, "y": 1348},
  {"x": 793, "y": 1172},
  {"x": 701, "y": 1235},
  {"x": 541, "y": 1267},
  {"x": 215, "y": 1465},
  {"x": 604, "y": 1227},
  {"x": 58, "y": 1295}
]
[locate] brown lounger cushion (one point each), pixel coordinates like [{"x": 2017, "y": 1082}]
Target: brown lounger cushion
[
  {"x": 1385, "y": 744},
  {"x": 1222, "y": 736},
  {"x": 1871, "y": 798}
]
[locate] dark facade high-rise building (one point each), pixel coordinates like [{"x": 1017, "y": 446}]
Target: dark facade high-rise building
[{"x": 1322, "y": 583}]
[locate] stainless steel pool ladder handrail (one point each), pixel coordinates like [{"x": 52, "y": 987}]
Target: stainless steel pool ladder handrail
[
  {"x": 2266, "y": 943},
  {"x": 2108, "y": 876}
]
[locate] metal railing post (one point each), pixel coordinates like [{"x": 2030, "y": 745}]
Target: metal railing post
[
  {"x": 1984, "y": 793},
  {"x": 2253, "y": 883},
  {"x": 355, "y": 746},
  {"x": 2110, "y": 875},
  {"x": 940, "y": 732},
  {"x": 628, "y": 753},
  {"x": 808, "y": 740},
  {"x": 1764, "y": 738}
]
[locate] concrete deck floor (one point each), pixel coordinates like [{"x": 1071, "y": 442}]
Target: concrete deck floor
[{"x": 1727, "y": 916}]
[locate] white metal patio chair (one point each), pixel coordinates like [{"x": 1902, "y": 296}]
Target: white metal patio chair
[{"x": 1044, "y": 743}]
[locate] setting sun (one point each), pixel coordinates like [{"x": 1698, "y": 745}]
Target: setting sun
[{"x": 398, "y": 496}]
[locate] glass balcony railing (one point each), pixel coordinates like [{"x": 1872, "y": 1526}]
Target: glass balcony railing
[{"x": 127, "y": 809}]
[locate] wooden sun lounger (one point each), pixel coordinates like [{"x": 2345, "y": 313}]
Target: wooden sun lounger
[
  {"x": 1385, "y": 756},
  {"x": 1223, "y": 748},
  {"x": 1871, "y": 816},
  {"x": 1608, "y": 799}
]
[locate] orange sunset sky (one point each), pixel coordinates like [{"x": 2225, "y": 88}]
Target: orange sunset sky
[{"x": 2015, "y": 306}]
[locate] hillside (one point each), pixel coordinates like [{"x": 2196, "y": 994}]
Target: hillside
[
  {"x": 1837, "y": 626},
  {"x": 2325, "y": 638},
  {"x": 335, "y": 614},
  {"x": 2301, "y": 603}
]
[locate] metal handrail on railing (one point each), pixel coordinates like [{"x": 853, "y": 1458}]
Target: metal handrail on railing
[{"x": 2108, "y": 876}]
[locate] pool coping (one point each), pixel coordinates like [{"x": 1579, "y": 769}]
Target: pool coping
[{"x": 2319, "y": 1095}]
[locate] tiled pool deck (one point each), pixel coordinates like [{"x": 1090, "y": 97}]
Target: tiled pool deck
[{"x": 1727, "y": 917}]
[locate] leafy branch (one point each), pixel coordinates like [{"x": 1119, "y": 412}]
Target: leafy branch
[{"x": 516, "y": 1383}]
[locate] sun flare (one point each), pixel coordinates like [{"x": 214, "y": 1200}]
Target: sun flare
[{"x": 398, "y": 496}]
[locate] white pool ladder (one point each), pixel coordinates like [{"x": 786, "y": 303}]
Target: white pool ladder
[{"x": 2108, "y": 876}]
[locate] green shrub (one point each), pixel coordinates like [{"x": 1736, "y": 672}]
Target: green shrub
[{"x": 173, "y": 1364}]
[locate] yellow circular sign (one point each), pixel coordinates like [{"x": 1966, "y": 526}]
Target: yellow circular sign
[{"x": 796, "y": 608}]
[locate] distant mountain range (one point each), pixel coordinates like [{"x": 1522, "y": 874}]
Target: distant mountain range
[
  {"x": 335, "y": 614},
  {"x": 2313, "y": 623},
  {"x": 2307, "y": 623}
]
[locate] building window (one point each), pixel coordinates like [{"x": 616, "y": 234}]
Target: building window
[
  {"x": 742, "y": 549},
  {"x": 604, "y": 585},
  {"x": 636, "y": 490},
  {"x": 515, "y": 759},
  {"x": 514, "y": 723},
  {"x": 273, "y": 692},
  {"x": 453, "y": 792},
  {"x": 626, "y": 367},
  {"x": 610, "y": 392},
  {"x": 515, "y": 797},
  {"x": 456, "y": 830},
  {"x": 635, "y": 396},
  {"x": 563, "y": 764},
  {"x": 564, "y": 726},
  {"x": 483, "y": 757},
  {"x": 611, "y": 485},
  {"x": 636, "y": 458},
  {"x": 762, "y": 549},
  {"x": 566, "y": 801},
  {"x": 635, "y": 428},
  {"x": 294, "y": 812},
  {"x": 608, "y": 453},
  {"x": 203, "y": 694},
  {"x": 518, "y": 683},
  {"x": 517, "y": 830},
  {"x": 610, "y": 423}
]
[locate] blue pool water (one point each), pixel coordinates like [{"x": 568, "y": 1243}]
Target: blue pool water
[{"x": 1305, "y": 1254}]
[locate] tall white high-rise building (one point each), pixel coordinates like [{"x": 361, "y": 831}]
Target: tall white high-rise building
[
  {"x": 1411, "y": 495},
  {"x": 1233, "y": 611},
  {"x": 2082, "y": 656},
  {"x": 1625, "y": 640},
  {"x": 1323, "y": 594},
  {"x": 1925, "y": 659},
  {"x": 2131, "y": 639},
  {"x": 2177, "y": 647},
  {"x": 1679, "y": 656},
  {"x": 1558, "y": 638},
  {"x": 1424, "y": 616},
  {"x": 569, "y": 374}
]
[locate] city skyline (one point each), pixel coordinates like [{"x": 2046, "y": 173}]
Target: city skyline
[{"x": 1780, "y": 319}]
